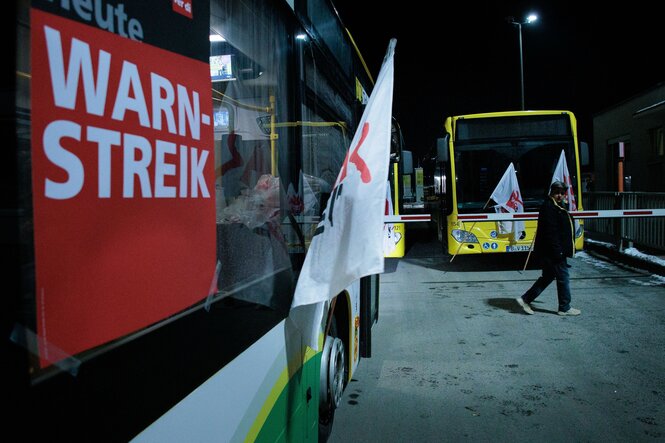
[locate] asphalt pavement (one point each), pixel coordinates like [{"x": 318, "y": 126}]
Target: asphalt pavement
[{"x": 455, "y": 359}]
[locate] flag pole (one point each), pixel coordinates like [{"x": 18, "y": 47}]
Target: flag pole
[
  {"x": 530, "y": 248},
  {"x": 461, "y": 243}
]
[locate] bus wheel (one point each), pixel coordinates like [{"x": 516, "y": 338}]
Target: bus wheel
[{"x": 333, "y": 372}]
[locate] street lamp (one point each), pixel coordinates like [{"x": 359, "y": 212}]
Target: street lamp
[{"x": 530, "y": 19}]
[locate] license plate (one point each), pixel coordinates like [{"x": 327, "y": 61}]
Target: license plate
[{"x": 517, "y": 248}]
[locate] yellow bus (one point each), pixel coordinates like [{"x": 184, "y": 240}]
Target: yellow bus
[
  {"x": 166, "y": 164},
  {"x": 472, "y": 158},
  {"x": 405, "y": 202}
]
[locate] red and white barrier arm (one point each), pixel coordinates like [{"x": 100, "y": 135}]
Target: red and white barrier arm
[
  {"x": 388, "y": 218},
  {"x": 612, "y": 213},
  {"x": 620, "y": 213},
  {"x": 407, "y": 218}
]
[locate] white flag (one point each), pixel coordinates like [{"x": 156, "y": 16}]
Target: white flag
[
  {"x": 561, "y": 174},
  {"x": 348, "y": 242},
  {"x": 508, "y": 198}
]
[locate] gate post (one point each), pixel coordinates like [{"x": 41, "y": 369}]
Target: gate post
[{"x": 618, "y": 222}]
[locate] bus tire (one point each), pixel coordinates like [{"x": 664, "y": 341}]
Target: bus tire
[{"x": 332, "y": 380}]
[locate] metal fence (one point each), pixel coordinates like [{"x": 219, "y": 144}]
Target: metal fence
[{"x": 642, "y": 232}]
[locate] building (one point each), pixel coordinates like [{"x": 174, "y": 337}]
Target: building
[{"x": 629, "y": 141}]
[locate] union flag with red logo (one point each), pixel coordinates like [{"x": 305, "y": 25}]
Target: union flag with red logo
[
  {"x": 348, "y": 242},
  {"x": 562, "y": 174},
  {"x": 508, "y": 198}
]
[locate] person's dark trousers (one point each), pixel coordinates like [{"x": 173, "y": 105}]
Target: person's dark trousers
[{"x": 552, "y": 270}]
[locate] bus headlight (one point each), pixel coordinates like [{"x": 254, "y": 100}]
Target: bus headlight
[
  {"x": 464, "y": 236},
  {"x": 579, "y": 231}
]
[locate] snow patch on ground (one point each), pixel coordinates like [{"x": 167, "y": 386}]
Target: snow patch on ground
[
  {"x": 633, "y": 252},
  {"x": 651, "y": 258},
  {"x": 592, "y": 260},
  {"x": 600, "y": 243}
]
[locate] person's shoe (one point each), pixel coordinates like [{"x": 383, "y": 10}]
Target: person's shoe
[
  {"x": 571, "y": 311},
  {"x": 525, "y": 306}
]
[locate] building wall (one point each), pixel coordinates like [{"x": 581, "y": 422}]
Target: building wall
[{"x": 634, "y": 122}]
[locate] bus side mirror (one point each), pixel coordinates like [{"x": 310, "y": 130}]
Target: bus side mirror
[
  {"x": 442, "y": 148},
  {"x": 584, "y": 153}
]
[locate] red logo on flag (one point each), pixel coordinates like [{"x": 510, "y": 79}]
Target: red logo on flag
[
  {"x": 183, "y": 7},
  {"x": 515, "y": 201},
  {"x": 353, "y": 157}
]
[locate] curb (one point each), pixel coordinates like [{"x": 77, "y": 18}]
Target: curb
[{"x": 613, "y": 254}]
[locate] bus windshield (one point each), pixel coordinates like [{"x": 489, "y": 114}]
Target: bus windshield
[{"x": 485, "y": 147}]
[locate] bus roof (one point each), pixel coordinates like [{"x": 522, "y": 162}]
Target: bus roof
[{"x": 510, "y": 114}]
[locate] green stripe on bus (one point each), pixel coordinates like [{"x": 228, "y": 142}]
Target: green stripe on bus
[{"x": 294, "y": 417}]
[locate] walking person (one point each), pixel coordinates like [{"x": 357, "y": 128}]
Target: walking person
[{"x": 554, "y": 242}]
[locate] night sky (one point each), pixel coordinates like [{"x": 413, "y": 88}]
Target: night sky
[{"x": 465, "y": 58}]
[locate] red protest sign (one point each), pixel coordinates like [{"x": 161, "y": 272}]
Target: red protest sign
[{"x": 121, "y": 138}]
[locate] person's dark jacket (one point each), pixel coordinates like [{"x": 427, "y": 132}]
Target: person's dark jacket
[{"x": 555, "y": 239}]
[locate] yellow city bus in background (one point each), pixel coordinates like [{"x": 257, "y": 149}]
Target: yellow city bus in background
[
  {"x": 473, "y": 156},
  {"x": 394, "y": 244},
  {"x": 406, "y": 200}
]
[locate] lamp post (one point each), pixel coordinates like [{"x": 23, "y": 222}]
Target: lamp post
[{"x": 530, "y": 19}]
